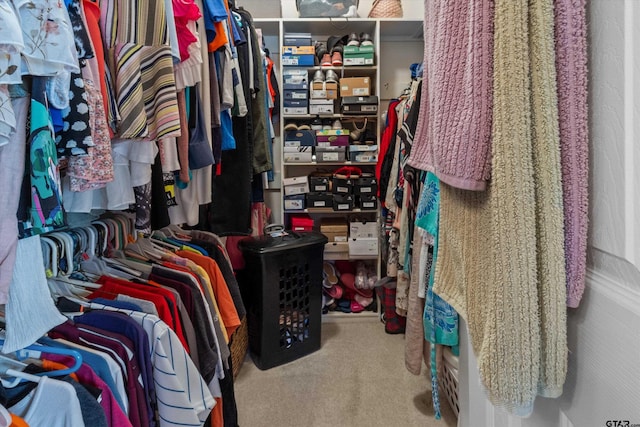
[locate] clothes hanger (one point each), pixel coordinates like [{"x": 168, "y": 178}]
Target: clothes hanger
[
  {"x": 9, "y": 366},
  {"x": 5, "y": 417},
  {"x": 92, "y": 239},
  {"x": 60, "y": 289},
  {"x": 114, "y": 235},
  {"x": 103, "y": 235},
  {"x": 79, "y": 237},
  {"x": 124, "y": 230},
  {"x": 164, "y": 243},
  {"x": 177, "y": 232},
  {"x": 35, "y": 351},
  {"x": 142, "y": 267},
  {"x": 65, "y": 252},
  {"x": 53, "y": 259},
  {"x": 144, "y": 248}
]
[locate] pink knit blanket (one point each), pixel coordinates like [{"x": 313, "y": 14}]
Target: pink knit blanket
[{"x": 454, "y": 127}]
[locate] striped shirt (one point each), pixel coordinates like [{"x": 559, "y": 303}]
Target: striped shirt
[
  {"x": 138, "y": 52},
  {"x": 182, "y": 394}
]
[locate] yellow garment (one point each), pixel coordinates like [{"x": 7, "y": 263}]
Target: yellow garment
[{"x": 190, "y": 249}]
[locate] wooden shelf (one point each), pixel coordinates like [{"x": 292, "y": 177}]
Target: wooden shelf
[
  {"x": 330, "y": 116},
  {"x": 329, "y": 256},
  {"x": 328, "y": 211},
  {"x": 345, "y": 163}
]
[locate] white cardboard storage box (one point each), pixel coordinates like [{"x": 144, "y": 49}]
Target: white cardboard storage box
[
  {"x": 297, "y": 154},
  {"x": 321, "y": 106},
  {"x": 296, "y": 185},
  {"x": 363, "y": 247},
  {"x": 360, "y": 230}
]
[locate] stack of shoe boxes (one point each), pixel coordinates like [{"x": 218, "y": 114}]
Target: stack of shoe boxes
[
  {"x": 354, "y": 192},
  {"x": 323, "y": 93},
  {"x": 296, "y": 52},
  {"x": 295, "y": 91},
  {"x": 365, "y": 189},
  {"x": 343, "y": 198},
  {"x": 331, "y": 145},
  {"x": 356, "y": 98},
  {"x": 295, "y": 190},
  {"x": 363, "y": 238},
  {"x": 320, "y": 191},
  {"x": 298, "y": 145}
]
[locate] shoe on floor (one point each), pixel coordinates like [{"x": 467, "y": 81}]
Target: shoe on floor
[{"x": 331, "y": 273}]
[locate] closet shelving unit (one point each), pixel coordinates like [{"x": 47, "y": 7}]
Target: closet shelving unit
[{"x": 397, "y": 43}]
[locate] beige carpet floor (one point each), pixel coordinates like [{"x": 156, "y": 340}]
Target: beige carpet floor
[{"x": 356, "y": 379}]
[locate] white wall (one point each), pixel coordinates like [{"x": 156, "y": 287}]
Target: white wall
[{"x": 603, "y": 381}]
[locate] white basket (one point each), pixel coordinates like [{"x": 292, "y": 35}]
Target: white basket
[{"x": 448, "y": 378}]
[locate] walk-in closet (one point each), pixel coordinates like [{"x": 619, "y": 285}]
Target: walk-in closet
[{"x": 279, "y": 213}]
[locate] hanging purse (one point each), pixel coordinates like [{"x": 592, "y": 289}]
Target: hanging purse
[
  {"x": 200, "y": 152},
  {"x": 386, "y": 9}
]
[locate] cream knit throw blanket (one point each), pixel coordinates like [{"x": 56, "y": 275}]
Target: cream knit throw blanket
[{"x": 501, "y": 260}]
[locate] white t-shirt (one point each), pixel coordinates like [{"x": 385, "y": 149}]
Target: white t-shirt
[{"x": 52, "y": 403}]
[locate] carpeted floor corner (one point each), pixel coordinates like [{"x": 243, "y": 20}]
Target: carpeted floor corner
[{"x": 356, "y": 379}]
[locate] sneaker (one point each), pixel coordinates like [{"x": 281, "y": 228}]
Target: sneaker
[
  {"x": 336, "y": 124},
  {"x": 335, "y": 43},
  {"x": 321, "y": 50},
  {"x": 318, "y": 76},
  {"x": 354, "y": 40},
  {"x": 290, "y": 126},
  {"x": 316, "y": 124},
  {"x": 304, "y": 127},
  {"x": 332, "y": 77},
  {"x": 365, "y": 40},
  {"x": 336, "y": 59},
  {"x": 326, "y": 60}
]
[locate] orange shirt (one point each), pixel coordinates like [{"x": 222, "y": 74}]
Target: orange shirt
[
  {"x": 50, "y": 365},
  {"x": 228, "y": 310},
  {"x": 16, "y": 421},
  {"x": 92, "y": 14}
]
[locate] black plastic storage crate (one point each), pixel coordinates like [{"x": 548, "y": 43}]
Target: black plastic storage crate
[{"x": 281, "y": 287}]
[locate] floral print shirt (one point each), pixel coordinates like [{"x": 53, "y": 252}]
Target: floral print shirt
[{"x": 49, "y": 46}]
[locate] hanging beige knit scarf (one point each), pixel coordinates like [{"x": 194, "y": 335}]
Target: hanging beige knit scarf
[{"x": 501, "y": 259}]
